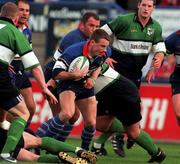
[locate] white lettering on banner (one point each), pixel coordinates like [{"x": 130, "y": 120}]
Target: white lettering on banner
[
  {"x": 65, "y": 13},
  {"x": 145, "y": 105},
  {"x": 38, "y": 23},
  {"x": 155, "y": 110},
  {"x": 43, "y": 111}
]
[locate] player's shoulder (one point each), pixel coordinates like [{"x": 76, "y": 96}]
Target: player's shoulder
[
  {"x": 74, "y": 49},
  {"x": 71, "y": 34},
  {"x": 126, "y": 16},
  {"x": 156, "y": 23}
]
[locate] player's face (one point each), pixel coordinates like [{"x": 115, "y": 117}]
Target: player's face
[
  {"x": 90, "y": 26},
  {"x": 24, "y": 11},
  {"x": 98, "y": 47},
  {"x": 145, "y": 8}
]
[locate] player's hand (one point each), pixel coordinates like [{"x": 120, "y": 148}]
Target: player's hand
[
  {"x": 51, "y": 83},
  {"x": 150, "y": 75},
  {"x": 50, "y": 96},
  {"x": 89, "y": 83},
  {"x": 111, "y": 62},
  {"x": 11, "y": 69},
  {"x": 80, "y": 73},
  {"x": 157, "y": 60}
]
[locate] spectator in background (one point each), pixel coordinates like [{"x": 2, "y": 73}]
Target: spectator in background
[{"x": 170, "y": 3}]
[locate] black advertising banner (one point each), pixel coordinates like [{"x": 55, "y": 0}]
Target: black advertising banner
[
  {"x": 58, "y": 18},
  {"x": 65, "y": 17}
]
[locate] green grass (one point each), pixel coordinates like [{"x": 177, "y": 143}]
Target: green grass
[{"x": 136, "y": 155}]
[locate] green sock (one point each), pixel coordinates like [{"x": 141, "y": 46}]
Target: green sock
[
  {"x": 54, "y": 146},
  {"x": 116, "y": 127},
  {"x": 14, "y": 134},
  {"x": 48, "y": 158},
  {"x": 145, "y": 141}
]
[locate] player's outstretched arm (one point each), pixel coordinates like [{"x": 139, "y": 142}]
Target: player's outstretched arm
[{"x": 38, "y": 74}]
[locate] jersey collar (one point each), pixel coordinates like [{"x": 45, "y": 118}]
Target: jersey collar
[
  {"x": 86, "y": 53},
  {"x": 136, "y": 19},
  {"x": 7, "y": 19},
  {"x": 23, "y": 27},
  {"x": 85, "y": 50}
]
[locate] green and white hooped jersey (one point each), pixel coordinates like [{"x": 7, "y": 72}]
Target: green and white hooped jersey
[
  {"x": 130, "y": 38},
  {"x": 13, "y": 42},
  {"x": 107, "y": 77}
]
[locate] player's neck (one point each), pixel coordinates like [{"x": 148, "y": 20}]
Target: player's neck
[
  {"x": 143, "y": 20},
  {"x": 20, "y": 25}
]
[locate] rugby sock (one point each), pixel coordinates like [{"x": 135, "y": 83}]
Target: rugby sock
[
  {"x": 56, "y": 146},
  {"x": 14, "y": 134},
  {"x": 48, "y": 158},
  {"x": 146, "y": 142},
  {"x": 62, "y": 136},
  {"x": 86, "y": 137},
  {"x": 55, "y": 126},
  {"x": 41, "y": 132},
  {"x": 116, "y": 126}
]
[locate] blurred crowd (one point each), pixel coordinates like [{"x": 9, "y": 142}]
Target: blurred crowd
[{"x": 126, "y": 4}]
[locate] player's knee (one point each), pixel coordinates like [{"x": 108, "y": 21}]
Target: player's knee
[
  {"x": 75, "y": 117},
  {"x": 66, "y": 116},
  {"x": 134, "y": 133},
  {"x": 90, "y": 123},
  {"x": 25, "y": 115}
]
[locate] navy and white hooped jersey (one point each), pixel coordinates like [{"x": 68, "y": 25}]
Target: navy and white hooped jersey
[
  {"x": 27, "y": 33},
  {"x": 73, "y": 52},
  {"x": 172, "y": 43},
  {"x": 71, "y": 38}
]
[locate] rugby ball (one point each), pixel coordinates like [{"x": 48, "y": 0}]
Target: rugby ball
[{"x": 80, "y": 62}]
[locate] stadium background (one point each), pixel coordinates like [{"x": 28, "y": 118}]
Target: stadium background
[{"x": 51, "y": 21}]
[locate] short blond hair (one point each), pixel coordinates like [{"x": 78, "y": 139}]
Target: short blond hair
[{"x": 9, "y": 10}]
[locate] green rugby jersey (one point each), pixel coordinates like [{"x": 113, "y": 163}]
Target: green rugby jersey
[
  {"x": 107, "y": 77},
  {"x": 132, "y": 43},
  {"x": 13, "y": 42}
]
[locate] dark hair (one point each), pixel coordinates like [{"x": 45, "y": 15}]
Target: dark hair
[
  {"x": 154, "y": 2},
  {"x": 24, "y": 1},
  {"x": 87, "y": 15},
  {"x": 100, "y": 34}
]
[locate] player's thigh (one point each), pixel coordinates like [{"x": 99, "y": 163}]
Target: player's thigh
[
  {"x": 3, "y": 115},
  {"x": 67, "y": 101},
  {"x": 31, "y": 141},
  {"x": 28, "y": 97},
  {"x": 20, "y": 110},
  {"x": 88, "y": 108}
]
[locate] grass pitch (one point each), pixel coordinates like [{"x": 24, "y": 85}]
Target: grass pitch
[{"x": 136, "y": 155}]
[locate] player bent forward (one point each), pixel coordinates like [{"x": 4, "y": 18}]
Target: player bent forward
[{"x": 113, "y": 90}]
